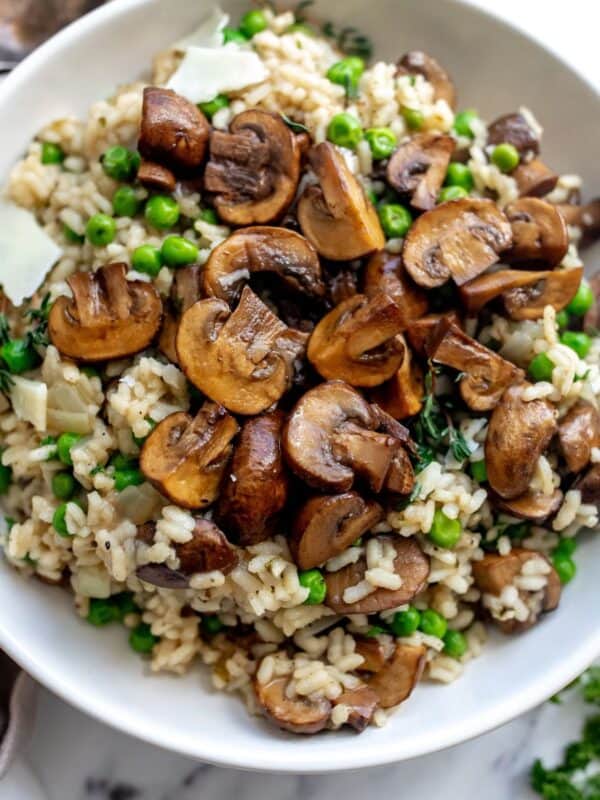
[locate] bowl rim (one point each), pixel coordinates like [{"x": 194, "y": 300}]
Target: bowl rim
[{"x": 212, "y": 750}]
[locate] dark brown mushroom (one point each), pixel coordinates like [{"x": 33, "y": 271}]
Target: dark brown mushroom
[
  {"x": 373, "y": 653},
  {"x": 402, "y": 396},
  {"x": 336, "y": 215},
  {"x": 358, "y": 341},
  {"x": 155, "y": 176},
  {"x": 591, "y": 320},
  {"x": 416, "y": 62},
  {"x": 556, "y": 290},
  {"x": 534, "y": 178},
  {"x": 341, "y": 285},
  {"x": 254, "y": 169},
  {"x": 395, "y": 681},
  {"x": 362, "y": 703},
  {"x": 458, "y": 239},
  {"x": 589, "y": 486},
  {"x": 185, "y": 457},
  {"x": 479, "y": 292},
  {"x": 418, "y": 167},
  {"x": 256, "y": 489},
  {"x": 578, "y": 433},
  {"x": 297, "y": 714},
  {"x": 539, "y": 233},
  {"x": 185, "y": 291},
  {"x": 242, "y": 359},
  {"x": 514, "y": 129},
  {"x": 485, "y": 374},
  {"x": 385, "y": 273},
  {"x": 585, "y": 217},
  {"x": 411, "y": 565},
  {"x": 533, "y": 506},
  {"x": 328, "y": 524},
  {"x": 519, "y": 432},
  {"x": 419, "y": 331},
  {"x": 108, "y": 316}
]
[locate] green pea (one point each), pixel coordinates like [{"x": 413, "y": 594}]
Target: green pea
[
  {"x": 59, "y": 522},
  {"x": 505, "y": 156},
  {"x": 125, "y": 202},
  {"x": 565, "y": 567},
  {"x": 382, "y": 142},
  {"x": 162, "y": 211},
  {"x": 128, "y": 477},
  {"x": 19, "y": 355},
  {"x": 120, "y": 163},
  {"x": 413, "y": 117},
  {"x": 177, "y": 251},
  {"x": 211, "y": 625},
  {"x": 445, "y": 532},
  {"x": 347, "y": 72},
  {"x": 141, "y": 639},
  {"x": 479, "y": 471},
  {"x": 433, "y": 624},
  {"x": 233, "y": 35},
  {"x": 63, "y": 447},
  {"x": 63, "y": 485},
  {"x": 578, "y": 341},
  {"x": 372, "y": 196},
  {"x": 404, "y": 623},
  {"x": 100, "y": 230},
  {"x": 344, "y": 130},
  {"x": 209, "y": 215},
  {"x": 375, "y": 630},
  {"x": 562, "y": 320},
  {"x": 5, "y": 478},
  {"x": 395, "y": 220},
  {"x": 452, "y": 193},
  {"x": 463, "y": 121},
  {"x": 146, "y": 258},
  {"x": 313, "y": 580},
  {"x": 566, "y": 546},
  {"x": 455, "y": 644},
  {"x": 541, "y": 368},
  {"x": 71, "y": 236},
  {"x": 52, "y": 153},
  {"x": 582, "y": 302},
  {"x": 459, "y": 175},
  {"x": 212, "y": 106},
  {"x": 253, "y": 22},
  {"x": 103, "y": 611}
]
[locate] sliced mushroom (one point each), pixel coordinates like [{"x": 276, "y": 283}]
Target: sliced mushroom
[
  {"x": 358, "y": 341},
  {"x": 459, "y": 239},
  {"x": 519, "y": 432},
  {"x": 373, "y": 653},
  {"x": 173, "y": 131},
  {"x": 485, "y": 374},
  {"x": 539, "y": 233},
  {"x": 254, "y": 169},
  {"x": 185, "y": 457},
  {"x": 242, "y": 359},
  {"x": 589, "y": 486},
  {"x": 534, "y": 178},
  {"x": 411, "y": 565},
  {"x": 185, "y": 291},
  {"x": 591, "y": 320},
  {"x": 402, "y": 396},
  {"x": 419, "y": 331},
  {"x": 534, "y": 506},
  {"x": 155, "y": 176},
  {"x": 481, "y": 291},
  {"x": 256, "y": 489},
  {"x": 336, "y": 215},
  {"x": 416, "y": 62},
  {"x": 385, "y": 273},
  {"x": 417, "y": 169},
  {"x": 578, "y": 433},
  {"x": 557, "y": 290},
  {"x": 297, "y": 714},
  {"x": 395, "y": 681},
  {"x": 262, "y": 249},
  {"x": 341, "y": 285},
  {"x": 326, "y": 525},
  {"x": 108, "y": 316},
  {"x": 362, "y": 704},
  {"x": 514, "y": 129},
  {"x": 585, "y": 217}
]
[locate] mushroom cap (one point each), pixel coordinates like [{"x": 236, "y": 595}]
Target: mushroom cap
[
  {"x": 385, "y": 272},
  {"x": 242, "y": 359},
  {"x": 336, "y": 215},
  {"x": 475, "y": 294},
  {"x": 185, "y": 290},
  {"x": 297, "y": 714},
  {"x": 514, "y": 129},
  {"x": 254, "y": 169},
  {"x": 411, "y": 564},
  {"x": 326, "y": 525},
  {"x": 362, "y": 703},
  {"x": 418, "y": 167},
  {"x": 420, "y": 330},
  {"x": 534, "y": 178},
  {"x": 185, "y": 457},
  {"x": 578, "y": 433},
  {"x": 394, "y": 682},
  {"x": 373, "y": 652},
  {"x": 539, "y": 233},
  {"x": 586, "y": 217},
  {"x": 108, "y": 316},
  {"x": 256, "y": 489},
  {"x": 416, "y": 62},
  {"x": 458, "y": 239},
  {"x": 556, "y": 290},
  {"x": 534, "y": 506},
  {"x": 358, "y": 341},
  {"x": 155, "y": 176},
  {"x": 402, "y": 396},
  {"x": 519, "y": 432},
  {"x": 589, "y": 485},
  {"x": 262, "y": 249}
]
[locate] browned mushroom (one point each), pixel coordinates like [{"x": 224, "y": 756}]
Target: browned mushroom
[
  {"x": 589, "y": 485},
  {"x": 242, "y": 359},
  {"x": 385, "y": 273},
  {"x": 458, "y": 239},
  {"x": 477, "y": 293},
  {"x": 254, "y": 169},
  {"x": 534, "y": 178},
  {"x": 411, "y": 565},
  {"x": 185, "y": 457},
  {"x": 358, "y": 341},
  {"x": 585, "y": 217},
  {"x": 185, "y": 290},
  {"x": 262, "y": 249},
  {"x": 108, "y": 316},
  {"x": 373, "y": 653},
  {"x": 394, "y": 682},
  {"x": 533, "y": 506},
  {"x": 578, "y": 433},
  {"x": 591, "y": 320},
  {"x": 557, "y": 290},
  {"x": 514, "y": 129},
  {"x": 256, "y": 489},
  {"x": 173, "y": 131},
  {"x": 518, "y": 433},
  {"x": 362, "y": 703},
  {"x": 155, "y": 176},
  {"x": 416, "y": 62},
  {"x": 417, "y": 169},
  {"x": 336, "y": 215},
  {"x": 485, "y": 374},
  {"x": 539, "y": 233},
  {"x": 327, "y": 525},
  {"x": 402, "y": 396},
  {"x": 419, "y": 331},
  {"x": 297, "y": 714}
]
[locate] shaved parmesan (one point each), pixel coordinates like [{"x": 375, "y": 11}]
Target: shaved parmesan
[
  {"x": 26, "y": 252},
  {"x": 208, "y": 34},
  {"x": 204, "y": 72},
  {"x": 29, "y": 401}
]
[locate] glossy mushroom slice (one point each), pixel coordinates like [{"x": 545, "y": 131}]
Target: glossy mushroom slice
[
  {"x": 534, "y": 506},
  {"x": 262, "y": 249},
  {"x": 539, "y": 233},
  {"x": 479, "y": 292},
  {"x": 417, "y": 169},
  {"x": 402, "y": 396},
  {"x": 514, "y": 129},
  {"x": 326, "y": 525},
  {"x": 256, "y": 489},
  {"x": 358, "y": 341},
  {"x": 485, "y": 374},
  {"x": 336, "y": 215},
  {"x": 416, "y": 62},
  {"x": 519, "y": 432},
  {"x": 394, "y": 682},
  {"x": 108, "y": 316},
  {"x": 373, "y": 652},
  {"x": 185, "y": 457},
  {"x": 534, "y": 178},
  {"x": 585, "y": 217},
  {"x": 385, "y": 273},
  {"x": 361, "y": 704},
  {"x": 591, "y": 320},
  {"x": 411, "y": 565},
  {"x": 155, "y": 176},
  {"x": 185, "y": 291},
  {"x": 589, "y": 486},
  {"x": 297, "y": 714},
  {"x": 578, "y": 433},
  {"x": 242, "y": 359},
  {"x": 254, "y": 169},
  {"x": 556, "y": 290},
  {"x": 419, "y": 332},
  {"x": 459, "y": 239}
]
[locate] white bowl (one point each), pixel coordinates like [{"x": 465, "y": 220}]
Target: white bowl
[{"x": 496, "y": 70}]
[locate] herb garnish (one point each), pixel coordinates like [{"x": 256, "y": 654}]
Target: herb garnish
[
  {"x": 349, "y": 40},
  {"x": 38, "y": 336},
  {"x": 297, "y": 127},
  {"x": 434, "y": 429}
]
